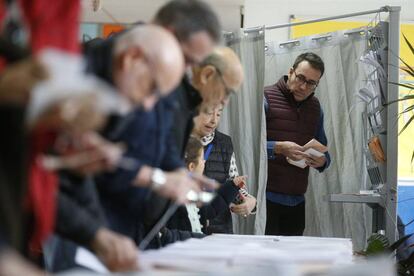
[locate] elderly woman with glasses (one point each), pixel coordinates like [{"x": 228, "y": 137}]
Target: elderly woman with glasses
[{"x": 221, "y": 166}]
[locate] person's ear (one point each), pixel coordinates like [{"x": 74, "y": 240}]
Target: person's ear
[
  {"x": 207, "y": 73},
  {"x": 129, "y": 58},
  {"x": 191, "y": 166},
  {"x": 171, "y": 29},
  {"x": 291, "y": 70}
]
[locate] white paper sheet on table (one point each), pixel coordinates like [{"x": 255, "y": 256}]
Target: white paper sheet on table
[{"x": 87, "y": 259}]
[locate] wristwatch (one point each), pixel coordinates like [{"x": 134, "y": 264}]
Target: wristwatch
[{"x": 158, "y": 179}]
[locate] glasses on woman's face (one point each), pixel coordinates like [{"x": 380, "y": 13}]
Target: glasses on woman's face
[
  {"x": 212, "y": 112},
  {"x": 301, "y": 79}
]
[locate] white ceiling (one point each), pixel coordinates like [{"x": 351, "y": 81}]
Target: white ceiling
[
  {"x": 128, "y": 11},
  {"x": 257, "y": 12}
]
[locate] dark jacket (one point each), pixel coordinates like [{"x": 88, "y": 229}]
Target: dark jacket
[
  {"x": 13, "y": 177},
  {"x": 289, "y": 120},
  {"x": 209, "y": 212},
  {"x": 79, "y": 213},
  {"x": 98, "y": 54},
  {"x": 215, "y": 217},
  {"x": 188, "y": 100},
  {"x": 217, "y": 164},
  {"x": 3, "y": 243},
  {"x": 79, "y": 216},
  {"x": 217, "y": 167},
  {"x": 147, "y": 140}
]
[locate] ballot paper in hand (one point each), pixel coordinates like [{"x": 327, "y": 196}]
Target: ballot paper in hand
[
  {"x": 313, "y": 147},
  {"x": 67, "y": 79}
]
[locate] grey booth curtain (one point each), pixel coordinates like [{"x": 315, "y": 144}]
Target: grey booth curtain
[
  {"x": 243, "y": 119},
  {"x": 344, "y": 76}
]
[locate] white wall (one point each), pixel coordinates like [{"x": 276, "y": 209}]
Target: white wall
[
  {"x": 273, "y": 12},
  {"x": 128, "y": 11},
  {"x": 257, "y": 12}
]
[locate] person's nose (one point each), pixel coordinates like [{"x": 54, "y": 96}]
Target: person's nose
[
  {"x": 303, "y": 86},
  {"x": 214, "y": 119},
  {"x": 225, "y": 101}
]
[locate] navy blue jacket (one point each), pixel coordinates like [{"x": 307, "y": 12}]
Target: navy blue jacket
[{"x": 147, "y": 138}]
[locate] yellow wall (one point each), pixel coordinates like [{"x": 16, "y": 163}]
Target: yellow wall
[
  {"x": 324, "y": 27},
  {"x": 406, "y": 139},
  {"x": 405, "y": 53}
]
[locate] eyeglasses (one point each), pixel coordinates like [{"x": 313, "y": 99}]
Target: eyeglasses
[
  {"x": 301, "y": 79},
  {"x": 229, "y": 91},
  {"x": 210, "y": 111}
]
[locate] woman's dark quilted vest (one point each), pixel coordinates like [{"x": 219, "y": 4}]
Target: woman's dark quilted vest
[
  {"x": 218, "y": 162},
  {"x": 217, "y": 167},
  {"x": 288, "y": 120}
]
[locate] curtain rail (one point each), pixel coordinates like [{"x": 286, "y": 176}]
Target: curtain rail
[{"x": 382, "y": 9}]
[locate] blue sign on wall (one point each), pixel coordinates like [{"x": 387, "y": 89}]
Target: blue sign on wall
[
  {"x": 89, "y": 31},
  {"x": 406, "y": 206}
]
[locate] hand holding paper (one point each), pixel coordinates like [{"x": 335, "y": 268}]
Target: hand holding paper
[
  {"x": 315, "y": 160},
  {"x": 313, "y": 155},
  {"x": 289, "y": 149}
]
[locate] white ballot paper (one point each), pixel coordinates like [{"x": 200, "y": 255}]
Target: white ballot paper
[
  {"x": 87, "y": 259},
  {"x": 67, "y": 79},
  {"x": 313, "y": 147}
]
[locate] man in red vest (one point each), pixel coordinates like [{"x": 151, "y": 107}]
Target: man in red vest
[{"x": 293, "y": 117}]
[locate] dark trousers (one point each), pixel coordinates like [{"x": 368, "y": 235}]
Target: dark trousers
[{"x": 285, "y": 220}]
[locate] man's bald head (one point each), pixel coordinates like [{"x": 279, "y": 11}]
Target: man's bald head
[
  {"x": 148, "y": 63},
  {"x": 218, "y": 76}
]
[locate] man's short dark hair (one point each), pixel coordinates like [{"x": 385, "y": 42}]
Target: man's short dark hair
[
  {"x": 314, "y": 60},
  {"x": 188, "y": 17}
]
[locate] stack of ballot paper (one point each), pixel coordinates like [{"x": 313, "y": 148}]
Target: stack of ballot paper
[
  {"x": 313, "y": 147},
  {"x": 222, "y": 254}
]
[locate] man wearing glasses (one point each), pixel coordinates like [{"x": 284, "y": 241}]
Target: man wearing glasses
[{"x": 293, "y": 117}]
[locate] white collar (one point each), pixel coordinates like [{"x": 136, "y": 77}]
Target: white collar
[{"x": 207, "y": 139}]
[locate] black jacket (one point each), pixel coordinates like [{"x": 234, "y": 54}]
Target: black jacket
[
  {"x": 225, "y": 195},
  {"x": 13, "y": 174},
  {"x": 217, "y": 167},
  {"x": 79, "y": 214},
  {"x": 188, "y": 100},
  {"x": 215, "y": 216}
]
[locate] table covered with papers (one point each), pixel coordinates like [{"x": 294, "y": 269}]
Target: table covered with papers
[
  {"x": 240, "y": 255},
  {"x": 261, "y": 255}
]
